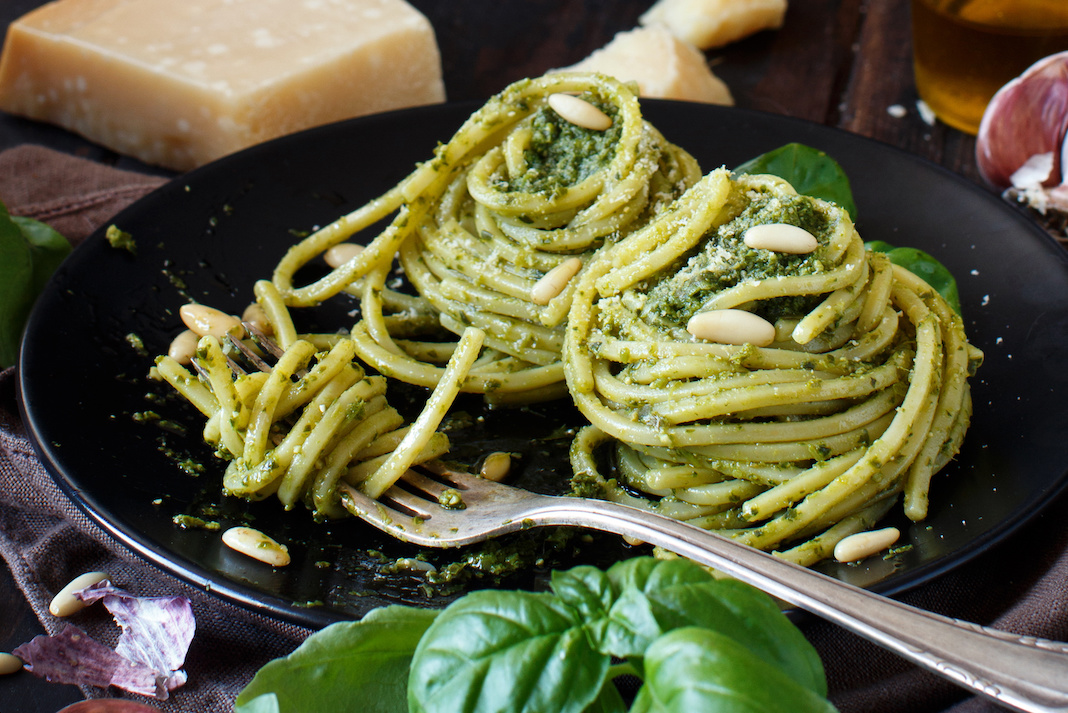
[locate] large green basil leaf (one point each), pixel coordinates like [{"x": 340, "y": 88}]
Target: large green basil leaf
[
  {"x": 924, "y": 266},
  {"x": 694, "y": 669},
  {"x": 507, "y": 652},
  {"x": 368, "y": 658},
  {"x": 30, "y": 251},
  {"x": 810, "y": 171}
]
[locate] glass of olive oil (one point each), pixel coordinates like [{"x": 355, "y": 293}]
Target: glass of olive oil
[{"x": 965, "y": 50}]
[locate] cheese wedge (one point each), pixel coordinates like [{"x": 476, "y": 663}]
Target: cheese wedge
[
  {"x": 713, "y": 23},
  {"x": 180, "y": 83},
  {"x": 662, "y": 65}
]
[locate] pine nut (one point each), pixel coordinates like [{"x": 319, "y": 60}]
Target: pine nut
[
  {"x": 496, "y": 466},
  {"x": 208, "y": 321},
  {"x": 9, "y": 663},
  {"x": 184, "y": 346},
  {"x": 554, "y": 281},
  {"x": 341, "y": 254},
  {"x": 732, "y": 326},
  {"x": 864, "y": 544},
  {"x": 781, "y": 238},
  {"x": 410, "y": 564},
  {"x": 65, "y": 603},
  {"x": 257, "y": 317},
  {"x": 579, "y": 112},
  {"x": 256, "y": 545}
]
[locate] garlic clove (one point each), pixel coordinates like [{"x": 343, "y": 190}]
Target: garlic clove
[
  {"x": 1034, "y": 172},
  {"x": 1027, "y": 117}
]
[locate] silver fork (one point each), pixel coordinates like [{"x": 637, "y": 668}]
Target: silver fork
[{"x": 1021, "y": 672}]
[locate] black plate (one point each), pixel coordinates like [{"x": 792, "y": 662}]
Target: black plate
[{"x": 211, "y": 233}]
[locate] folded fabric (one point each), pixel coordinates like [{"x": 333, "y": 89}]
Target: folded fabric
[{"x": 1021, "y": 585}]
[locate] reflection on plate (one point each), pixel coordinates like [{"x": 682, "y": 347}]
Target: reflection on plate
[{"x": 210, "y": 234}]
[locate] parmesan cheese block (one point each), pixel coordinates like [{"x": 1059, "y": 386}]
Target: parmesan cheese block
[
  {"x": 713, "y": 23},
  {"x": 662, "y": 65},
  {"x": 180, "y": 83}
]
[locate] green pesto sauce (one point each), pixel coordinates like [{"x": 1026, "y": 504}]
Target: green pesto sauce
[
  {"x": 136, "y": 343},
  {"x": 120, "y": 239},
  {"x": 191, "y": 522},
  {"x": 561, "y": 154},
  {"x": 724, "y": 260},
  {"x": 451, "y": 499}
]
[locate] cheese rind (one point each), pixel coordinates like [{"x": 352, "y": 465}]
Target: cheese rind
[
  {"x": 180, "y": 84},
  {"x": 662, "y": 65},
  {"x": 713, "y": 23}
]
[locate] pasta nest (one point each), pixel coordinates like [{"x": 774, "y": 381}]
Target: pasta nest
[
  {"x": 516, "y": 194},
  {"x": 861, "y": 397}
]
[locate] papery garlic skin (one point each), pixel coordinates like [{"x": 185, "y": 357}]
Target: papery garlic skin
[
  {"x": 1034, "y": 172},
  {"x": 1025, "y": 120}
]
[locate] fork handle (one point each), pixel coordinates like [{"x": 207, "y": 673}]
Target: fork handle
[{"x": 1022, "y": 672}]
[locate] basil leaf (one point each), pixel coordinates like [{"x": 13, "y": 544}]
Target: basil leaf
[
  {"x": 609, "y": 701},
  {"x": 371, "y": 656},
  {"x": 627, "y": 627},
  {"x": 650, "y": 573},
  {"x": 658, "y": 596},
  {"x": 16, "y": 278},
  {"x": 810, "y": 171},
  {"x": 47, "y": 246},
  {"x": 30, "y": 251},
  {"x": 749, "y": 617},
  {"x": 266, "y": 703},
  {"x": 508, "y": 652},
  {"x": 924, "y": 266},
  {"x": 695, "y": 669},
  {"x": 585, "y": 588}
]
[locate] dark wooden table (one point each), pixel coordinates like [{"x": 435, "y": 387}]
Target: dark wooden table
[{"x": 842, "y": 63}]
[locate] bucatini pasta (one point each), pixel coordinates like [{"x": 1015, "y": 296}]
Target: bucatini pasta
[
  {"x": 744, "y": 363},
  {"x": 493, "y": 228},
  {"x": 858, "y": 395}
]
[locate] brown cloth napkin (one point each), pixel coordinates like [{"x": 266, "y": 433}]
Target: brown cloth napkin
[{"x": 1020, "y": 586}]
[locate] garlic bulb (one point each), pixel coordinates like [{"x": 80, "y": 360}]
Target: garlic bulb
[{"x": 1021, "y": 141}]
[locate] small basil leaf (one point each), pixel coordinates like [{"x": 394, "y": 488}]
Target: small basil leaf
[
  {"x": 30, "y": 251},
  {"x": 924, "y": 266},
  {"x": 609, "y": 701},
  {"x": 631, "y": 624},
  {"x": 16, "y": 287},
  {"x": 48, "y": 247},
  {"x": 657, "y": 596},
  {"x": 628, "y": 628},
  {"x": 267, "y": 703},
  {"x": 371, "y": 656},
  {"x": 585, "y": 588},
  {"x": 649, "y": 573},
  {"x": 508, "y": 652},
  {"x": 749, "y": 617},
  {"x": 810, "y": 171},
  {"x": 695, "y": 669}
]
